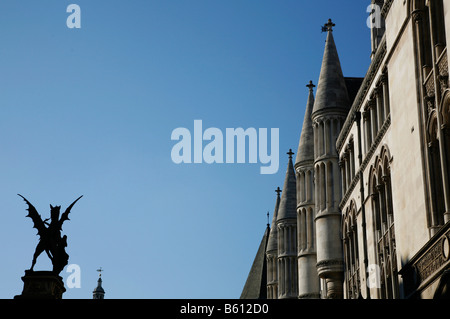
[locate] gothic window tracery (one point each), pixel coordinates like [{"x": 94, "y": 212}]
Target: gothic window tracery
[
  {"x": 384, "y": 228},
  {"x": 376, "y": 111},
  {"x": 347, "y": 165},
  {"x": 351, "y": 254},
  {"x": 432, "y": 61}
]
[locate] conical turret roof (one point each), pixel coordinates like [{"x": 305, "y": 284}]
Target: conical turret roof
[
  {"x": 272, "y": 244},
  {"x": 331, "y": 89},
  {"x": 306, "y": 145},
  {"x": 288, "y": 202},
  {"x": 256, "y": 285}
]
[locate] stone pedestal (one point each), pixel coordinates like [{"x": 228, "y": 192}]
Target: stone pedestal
[{"x": 41, "y": 285}]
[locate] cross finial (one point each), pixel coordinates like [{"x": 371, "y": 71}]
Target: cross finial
[
  {"x": 100, "y": 271},
  {"x": 278, "y": 191},
  {"x": 311, "y": 86},
  {"x": 290, "y": 153},
  {"x": 328, "y": 26}
]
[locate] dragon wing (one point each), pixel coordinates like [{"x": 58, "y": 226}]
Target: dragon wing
[
  {"x": 65, "y": 215},
  {"x": 34, "y": 215}
]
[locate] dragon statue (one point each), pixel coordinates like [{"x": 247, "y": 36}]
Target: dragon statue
[{"x": 50, "y": 235}]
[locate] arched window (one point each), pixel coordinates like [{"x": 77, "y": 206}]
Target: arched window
[
  {"x": 432, "y": 62},
  {"x": 445, "y": 115},
  {"x": 383, "y": 216},
  {"x": 436, "y": 185},
  {"x": 351, "y": 253}
]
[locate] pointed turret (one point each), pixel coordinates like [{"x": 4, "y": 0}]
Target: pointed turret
[
  {"x": 272, "y": 244},
  {"x": 288, "y": 203},
  {"x": 330, "y": 111},
  {"x": 305, "y": 151},
  {"x": 308, "y": 279},
  {"x": 272, "y": 253},
  {"x": 256, "y": 285},
  {"x": 331, "y": 91},
  {"x": 287, "y": 236}
]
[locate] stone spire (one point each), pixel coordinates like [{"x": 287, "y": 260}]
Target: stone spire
[
  {"x": 99, "y": 292},
  {"x": 288, "y": 201},
  {"x": 287, "y": 236},
  {"x": 256, "y": 285},
  {"x": 272, "y": 253},
  {"x": 331, "y": 91},
  {"x": 306, "y": 145},
  {"x": 308, "y": 278},
  {"x": 272, "y": 244},
  {"x": 330, "y": 110}
]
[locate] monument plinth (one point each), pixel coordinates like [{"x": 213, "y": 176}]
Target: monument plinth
[{"x": 41, "y": 285}]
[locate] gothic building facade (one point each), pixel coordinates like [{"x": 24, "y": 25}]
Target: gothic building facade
[{"x": 365, "y": 207}]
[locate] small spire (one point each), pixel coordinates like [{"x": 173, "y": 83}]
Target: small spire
[
  {"x": 328, "y": 26},
  {"x": 290, "y": 153},
  {"x": 268, "y": 224},
  {"x": 331, "y": 90},
  {"x": 311, "y": 86},
  {"x": 273, "y": 235},
  {"x": 99, "y": 292},
  {"x": 288, "y": 201},
  {"x": 305, "y": 150}
]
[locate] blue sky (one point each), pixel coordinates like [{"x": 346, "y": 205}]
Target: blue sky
[{"x": 90, "y": 112}]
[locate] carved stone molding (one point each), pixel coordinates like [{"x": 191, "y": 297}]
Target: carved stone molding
[
  {"x": 443, "y": 71},
  {"x": 429, "y": 85},
  {"x": 428, "y": 264},
  {"x": 41, "y": 285},
  {"x": 417, "y": 15},
  {"x": 330, "y": 266},
  {"x": 386, "y": 7}
]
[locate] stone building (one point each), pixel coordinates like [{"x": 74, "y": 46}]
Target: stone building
[{"x": 372, "y": 170}]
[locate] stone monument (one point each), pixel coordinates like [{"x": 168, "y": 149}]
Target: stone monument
[{"x": 47, "y": 284}]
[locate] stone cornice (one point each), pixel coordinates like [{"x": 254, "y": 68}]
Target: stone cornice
[
  {"x": 429, "y": 263},
  {"x": 325, "y": 158},
  {"x": 330, "y": 263},
  {"x": 386, "y": 7},
  {"x": 362, "y": 93},
  {"x": 304, "y": 165}
]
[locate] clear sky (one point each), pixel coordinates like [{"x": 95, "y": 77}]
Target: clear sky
[{"x": 90, "y": 112}]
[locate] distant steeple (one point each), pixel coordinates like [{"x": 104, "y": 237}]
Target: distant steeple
[
  {"x": 99, "y": 292},
  {"x": 331, "y": 90},
  {"x": 306, "y": 145}
]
